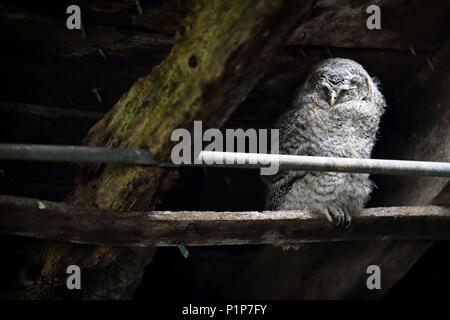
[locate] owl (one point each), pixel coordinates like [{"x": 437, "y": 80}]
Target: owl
[{"x": 335, "y": 113}]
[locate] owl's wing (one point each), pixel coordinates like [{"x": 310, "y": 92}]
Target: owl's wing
[
  {"x": 280, "y": 185},
  {"x": 287, "y": 124},
  {"x": 285, "y": 175}
]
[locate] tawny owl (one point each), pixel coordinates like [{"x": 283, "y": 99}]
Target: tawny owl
[{"x": 335, "y": 113}]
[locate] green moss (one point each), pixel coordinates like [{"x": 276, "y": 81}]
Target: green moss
[
  {"x": 156, "y": 99},
  {"x": 157, "y": 104}
]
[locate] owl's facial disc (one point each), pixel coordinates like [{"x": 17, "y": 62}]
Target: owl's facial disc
[
  {"x": 334, "y": 88},
  {"x": 341, "y": 92}
]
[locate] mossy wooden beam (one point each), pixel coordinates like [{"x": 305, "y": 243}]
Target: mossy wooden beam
[
  {"x": 64, "y": 222},
  {"x": 220, "y": 52}
]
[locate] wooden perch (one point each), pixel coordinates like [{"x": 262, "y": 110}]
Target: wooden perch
[{"x": 60, "y": 221}]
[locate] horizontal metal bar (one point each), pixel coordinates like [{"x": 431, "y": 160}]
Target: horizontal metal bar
[
  {"x": 52, "y": 153},
  {"x": 224, "y": 159},
  {"x": 312, "y": 163}
]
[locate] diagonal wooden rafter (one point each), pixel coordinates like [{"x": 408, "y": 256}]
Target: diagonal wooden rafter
[{"x": 220, "y": 52}]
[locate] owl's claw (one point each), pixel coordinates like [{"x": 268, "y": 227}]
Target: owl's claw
[
  {"x": 342, "y": 216},
  {"x": 348, "y": 219},
  {"x": 325, "y": 212},
  {"x": 338, "y": 214}
]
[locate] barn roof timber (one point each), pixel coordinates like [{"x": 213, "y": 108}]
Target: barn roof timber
[{"x": 55, "y": 78}]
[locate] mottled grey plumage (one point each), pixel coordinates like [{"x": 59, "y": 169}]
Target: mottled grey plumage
[{"x": 335, "y": 113}]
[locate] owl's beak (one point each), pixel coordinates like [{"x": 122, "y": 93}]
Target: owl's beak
[{"x": 333, "y": 96}]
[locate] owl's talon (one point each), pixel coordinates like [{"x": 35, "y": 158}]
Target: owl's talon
[
  {"x": 341, "y": 216},
  {"x": 338, "y": 223},
  {"x": 336, "y": 215},
  {"x": 325, "y": 212},
  {"x": 348, "y": 218},
  {"x": 349, "y": 223}
]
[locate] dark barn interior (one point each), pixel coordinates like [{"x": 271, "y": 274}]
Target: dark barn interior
[{"x": 57, "y": 84}]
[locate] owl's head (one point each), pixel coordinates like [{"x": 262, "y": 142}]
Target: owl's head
[{"x": 339, "y": 80}]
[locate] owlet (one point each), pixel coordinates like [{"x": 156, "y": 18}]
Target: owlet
[{"x": 335, "y": 113}]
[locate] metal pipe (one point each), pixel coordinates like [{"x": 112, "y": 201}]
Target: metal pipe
[
  {"x": 51, "y": 153},
  {"x": 224, "y": 159},
  {"x": 310, "y": 163}
]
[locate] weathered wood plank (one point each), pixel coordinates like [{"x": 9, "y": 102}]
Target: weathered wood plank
[
  {"x": 64, "y": 222},
  {"x": 403, "y": 24},
  {"x": 53, "y": 66},
  {"x": 40, "y": 124}
]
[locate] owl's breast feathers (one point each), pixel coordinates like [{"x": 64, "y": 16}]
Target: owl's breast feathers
[{"x": 346, "y": 130}]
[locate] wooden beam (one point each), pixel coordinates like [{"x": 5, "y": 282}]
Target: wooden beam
[
  {"x": 423, "y": 132},
  {"x": 53, "y": 66},
  {"x": 403, "y": 24},
  {"x": 64, "y": 222},
  {"x": 28, "y": 123}
]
